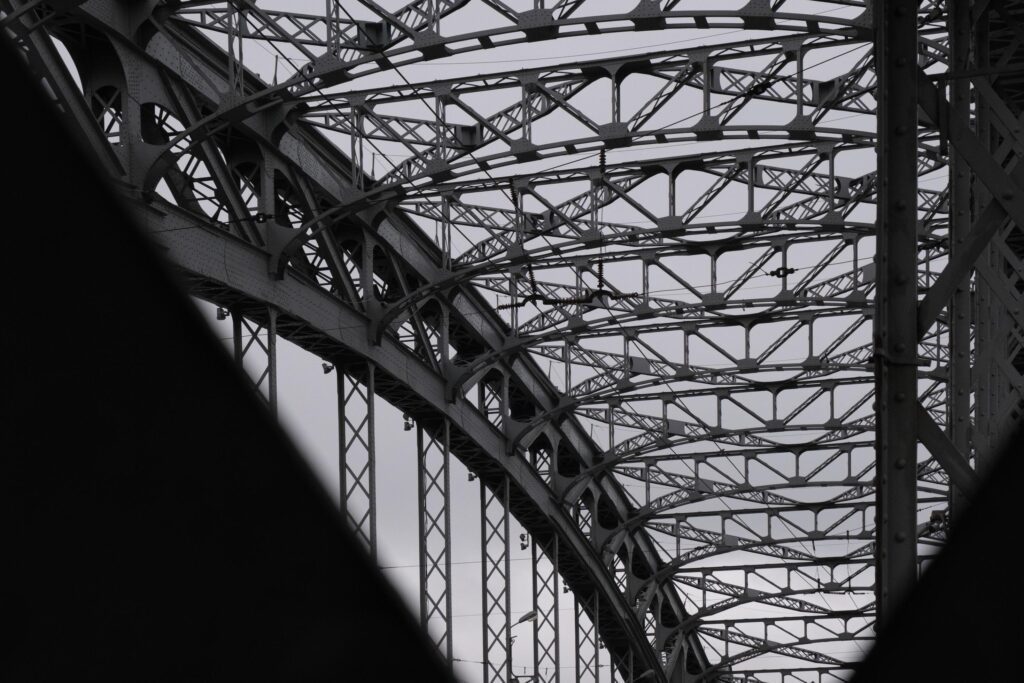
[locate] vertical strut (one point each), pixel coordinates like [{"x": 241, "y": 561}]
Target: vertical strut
[
  {"x": 588, "y": 651},
  {"x": 271, "y": 374},
  {"x": 251, "y": 339},
  {"x": 985, "y": 321},
  {"x": 545, "y": 605},
  {"x": 545, "y": 590},
  {"x": 958, "y": 416},
  {"x": 998, "y": 379},
  {"x": 585, "y": 630},
  {"x": 357, "y": 451},
  {"x": 435, "y": 532},
  {"x": 495, "y": 593},
  {"x": 236, "y": 334},
  {"x": 895, "y": 329}
]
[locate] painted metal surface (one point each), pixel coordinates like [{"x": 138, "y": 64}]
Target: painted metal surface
[{"x": 640, "y": 291}]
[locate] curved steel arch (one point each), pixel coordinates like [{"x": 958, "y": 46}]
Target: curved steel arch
[
  {"x": 723, "y": 360},
  {"x": 245, "y": 290}
]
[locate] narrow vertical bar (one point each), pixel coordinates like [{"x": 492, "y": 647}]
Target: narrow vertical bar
[
  {"x": 329, "y": 12},
  {"x": 587, "y": 659},
  {"x": 232, "y": 69},
  {"x": 577, "y": 639},
  {"x": 555, "y": 650},
  {"x": 958, "y": 397},
  {"x": 984, "y": 309},
  {"x": 272, "y": 359},
  {"x": 357, "y": 451},
  {"x": 371, "y": 453},
  {"x": 236, "y": 334},
  {"x": 545, "y": 606},
  {"x": 243, "y": 32},
  {"x": 895, "y": 333},
  {"x": 247, "y": 337},
  {"x": 342, "y": 422},
  {"x": 435, "y": 532},
  {"x": 446, "y": 232},
  {"x": 495, "y": 590}
]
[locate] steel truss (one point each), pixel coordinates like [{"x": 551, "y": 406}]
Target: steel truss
[{"x": 680, "y": 405}]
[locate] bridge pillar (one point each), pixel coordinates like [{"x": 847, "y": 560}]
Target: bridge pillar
[{"x": 895, "y": 333}]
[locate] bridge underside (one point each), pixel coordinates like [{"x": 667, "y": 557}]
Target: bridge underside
[{"x": 676, "y": 283}]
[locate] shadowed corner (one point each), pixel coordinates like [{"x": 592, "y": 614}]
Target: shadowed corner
[
  {"x": 157, "y": 523},
  {"x": 962, "y": 621}
]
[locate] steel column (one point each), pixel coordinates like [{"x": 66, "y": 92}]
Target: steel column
[
  {"x": 999, "y": 324},
  {"x": 250, "y": 338},
  {"x": 357, "y": 450},
  {"x": 895, "y": 328},
  {"x": 545, "y": 588},
  {"x": 985, "y": 298},
  {"x": 545, "y": 605},
  {"x": 587, "y": 648},
  {"x": 958, "y": 417},
  {"x": 495, "y": 590},
  {"x": 435, "y": 532},
  {"x": 271, "y": 373}
]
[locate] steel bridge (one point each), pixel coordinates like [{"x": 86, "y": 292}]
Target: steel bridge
[{"x": 719, "y": 303}]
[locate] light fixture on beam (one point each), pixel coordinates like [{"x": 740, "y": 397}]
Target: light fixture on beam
[{"x": 529, "y": 616}]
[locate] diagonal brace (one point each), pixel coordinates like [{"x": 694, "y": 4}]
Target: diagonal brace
[
  {"x": 942, "y": 449},
  {"x": 1005, "y": 188}
]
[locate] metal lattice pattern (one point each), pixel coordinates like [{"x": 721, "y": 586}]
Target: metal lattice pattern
[
  {"x": 587, "y": 648},
  {"x": 545, "y": 605},
  {"x": 640, "y": 292},
  {"x": 496, "y": 592},
  {"x": 435, "y": 534},
  {"x": 356, "y": 435},
  {"x": 255, "y": 348}
]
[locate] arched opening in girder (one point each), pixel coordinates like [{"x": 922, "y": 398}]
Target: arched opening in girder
[
  {"x": 288, "y": 202},
  {"x": 489, "y": 396},
  {"x": 96, "y": 68},
  {"x": 567, "y": 461}
]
